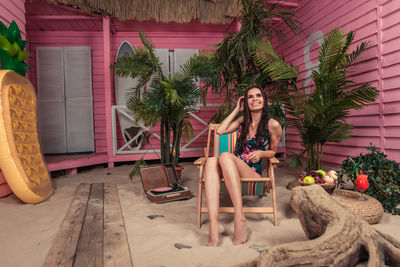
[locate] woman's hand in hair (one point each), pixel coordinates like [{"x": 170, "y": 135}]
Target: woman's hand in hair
[{"x": 240, "y": 103}]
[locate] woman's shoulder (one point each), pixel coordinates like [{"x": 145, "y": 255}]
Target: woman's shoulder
[
  {"x": 274, "y": 126},
  {"x": 272, "y": 123}
]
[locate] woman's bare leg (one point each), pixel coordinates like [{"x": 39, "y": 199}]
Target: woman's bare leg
[
  {"x": 212, "y": 185},
  {"x": 232, "y": 169}
]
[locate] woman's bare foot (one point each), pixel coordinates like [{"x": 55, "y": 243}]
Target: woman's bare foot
[
  {"x": 214, "y": 231},
  {"x": 240, "y": 233}
]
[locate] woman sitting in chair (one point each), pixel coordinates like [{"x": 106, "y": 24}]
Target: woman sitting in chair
[{"x": 259, "y": 138}]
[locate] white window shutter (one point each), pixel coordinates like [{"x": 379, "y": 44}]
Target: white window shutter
[
  {"x": 181, "y": 56},
  {"x": 51, "y": 100},
  {"x": 78, "y": 99},
  {"x": 163, "y": 55}
]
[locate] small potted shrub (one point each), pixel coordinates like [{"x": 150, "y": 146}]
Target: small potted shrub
[{"x": 383, "y": 175}]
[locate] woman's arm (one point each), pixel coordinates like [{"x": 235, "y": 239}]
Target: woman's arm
[
  {"x": 228, "y": 125},
  {"x": 275, "y": 131}
]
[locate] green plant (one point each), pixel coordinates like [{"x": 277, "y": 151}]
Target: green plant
[
  {"x": 320, "y": 117},
  {"x": 383, "y": 176},
  {"x": 231, "y": 68},
  {"x": 168, "y": 101},
  {"x": 12, "y": 53}
]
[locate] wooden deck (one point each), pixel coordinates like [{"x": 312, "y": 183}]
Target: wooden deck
[
  {"x": 70, "y": 163},
  {"x": 93, "y": 230}
]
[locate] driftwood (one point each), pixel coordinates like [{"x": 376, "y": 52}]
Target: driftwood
[{"x": 337, "y": 236}]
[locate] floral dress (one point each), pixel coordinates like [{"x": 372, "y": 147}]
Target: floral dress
[{"x": 250, "y": 147}]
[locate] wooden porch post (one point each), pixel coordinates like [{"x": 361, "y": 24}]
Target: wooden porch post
[
  {"x": 107, "y": 87},
  {"x": 380, "y": 79}
]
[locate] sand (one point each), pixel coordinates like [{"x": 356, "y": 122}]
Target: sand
[{"x": 28, "y": 231}]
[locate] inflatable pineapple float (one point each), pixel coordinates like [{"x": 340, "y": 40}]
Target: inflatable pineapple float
[{"x": 21, "y": 160}]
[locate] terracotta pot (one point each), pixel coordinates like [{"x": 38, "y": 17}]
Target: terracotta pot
[{"x": 179, "y": 170}]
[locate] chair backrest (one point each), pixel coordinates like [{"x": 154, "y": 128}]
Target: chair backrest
[
  {"x": 222, "y": 143},
  {"x": 226, "y": 143}
]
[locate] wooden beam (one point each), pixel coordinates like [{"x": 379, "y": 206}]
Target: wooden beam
[
  {"x": 116, "y": 248},
  {"x": 107, "y": 86},
  {"x": 61, "y": 17},
  {"x": 64, "y": 247},
  {"x": 283, "y": 3},
  {"x": 90, "y": 247}
]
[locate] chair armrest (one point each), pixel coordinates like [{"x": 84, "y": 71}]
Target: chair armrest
[
  {"x": 200, "y": 161},
  {"x": 274, "y": 160}
]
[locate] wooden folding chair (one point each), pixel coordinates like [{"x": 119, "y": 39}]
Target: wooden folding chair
[{"x": 254, "y": 186}]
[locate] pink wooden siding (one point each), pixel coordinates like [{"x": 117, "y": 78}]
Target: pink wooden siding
[
  {"x": 11, "y": 10},
  {"x": 88, "y": 32},
  {"x": 378, "y": 22},
  {"x": 389, "y": 14},
  {"x": 95, "y": 41},
  {"x": 173, "y": 36}
]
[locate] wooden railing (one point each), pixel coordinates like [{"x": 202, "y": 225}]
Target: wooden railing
[{"x": 124, "y": 148}]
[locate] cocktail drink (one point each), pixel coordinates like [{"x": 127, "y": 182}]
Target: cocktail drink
[{"x": 362, "y": 184}]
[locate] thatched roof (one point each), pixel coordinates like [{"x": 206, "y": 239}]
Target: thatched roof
[{"x": 181, "y": 11}]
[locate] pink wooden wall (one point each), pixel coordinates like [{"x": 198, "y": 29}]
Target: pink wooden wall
[
  {"x": 377, "y": 21},
  {"x": 93, "y": 39},
  {"x": 11, "y": 10},
  {"x": 170, "y": 36},
  {"x": 175, "y": 36}
]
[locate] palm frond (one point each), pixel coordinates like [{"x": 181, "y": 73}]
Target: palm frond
[
  {"x": 339, "y": 133},
  {"x": 361, "y": 95},
  {"x": 271, "y": 64},
  {"x": 350, "y": 58},
  {"x": 332, "y": 43},
  {"x": 135, "y": 171},
  {"x": 277, "y": 112},
  {"x": 294, "y": 160},
  {"x": 188, "y": 130}
]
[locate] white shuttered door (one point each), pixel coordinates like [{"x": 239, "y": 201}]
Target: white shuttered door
[
  {"x": 65, "y": 106},
  {"x": 51, "y": 99},
  {"x": 78, "y": 99}
]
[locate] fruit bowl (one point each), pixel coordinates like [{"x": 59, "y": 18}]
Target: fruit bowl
[
  {"x": 315, "y": 177},
  {"x": 327, "y": 187}
]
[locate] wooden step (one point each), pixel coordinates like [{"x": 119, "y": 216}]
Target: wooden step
[{"x": 93, "y": 230}]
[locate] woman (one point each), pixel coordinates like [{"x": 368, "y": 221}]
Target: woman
[{"x": 259, "y": 137}]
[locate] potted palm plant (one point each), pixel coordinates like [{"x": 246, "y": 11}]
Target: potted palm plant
[
  {"x": 230, "y": 68},
  {"x": 167, "y": 102},
  {"x": 320, "y": 117}
]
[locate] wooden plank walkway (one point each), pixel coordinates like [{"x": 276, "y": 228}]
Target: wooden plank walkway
[{"x": 93, "y": 230}]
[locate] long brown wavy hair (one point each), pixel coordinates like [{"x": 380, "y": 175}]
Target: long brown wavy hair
[{"x": 262, "y": 126}]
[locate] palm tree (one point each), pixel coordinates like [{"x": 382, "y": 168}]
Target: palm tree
[
  {"x": 168, "y": 100},
  {"x": 320, "y": 117},
  {"x": 230, "y": 69}
]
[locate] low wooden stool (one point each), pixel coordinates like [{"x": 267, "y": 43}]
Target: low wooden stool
[{"x": 93, "y": 230}]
